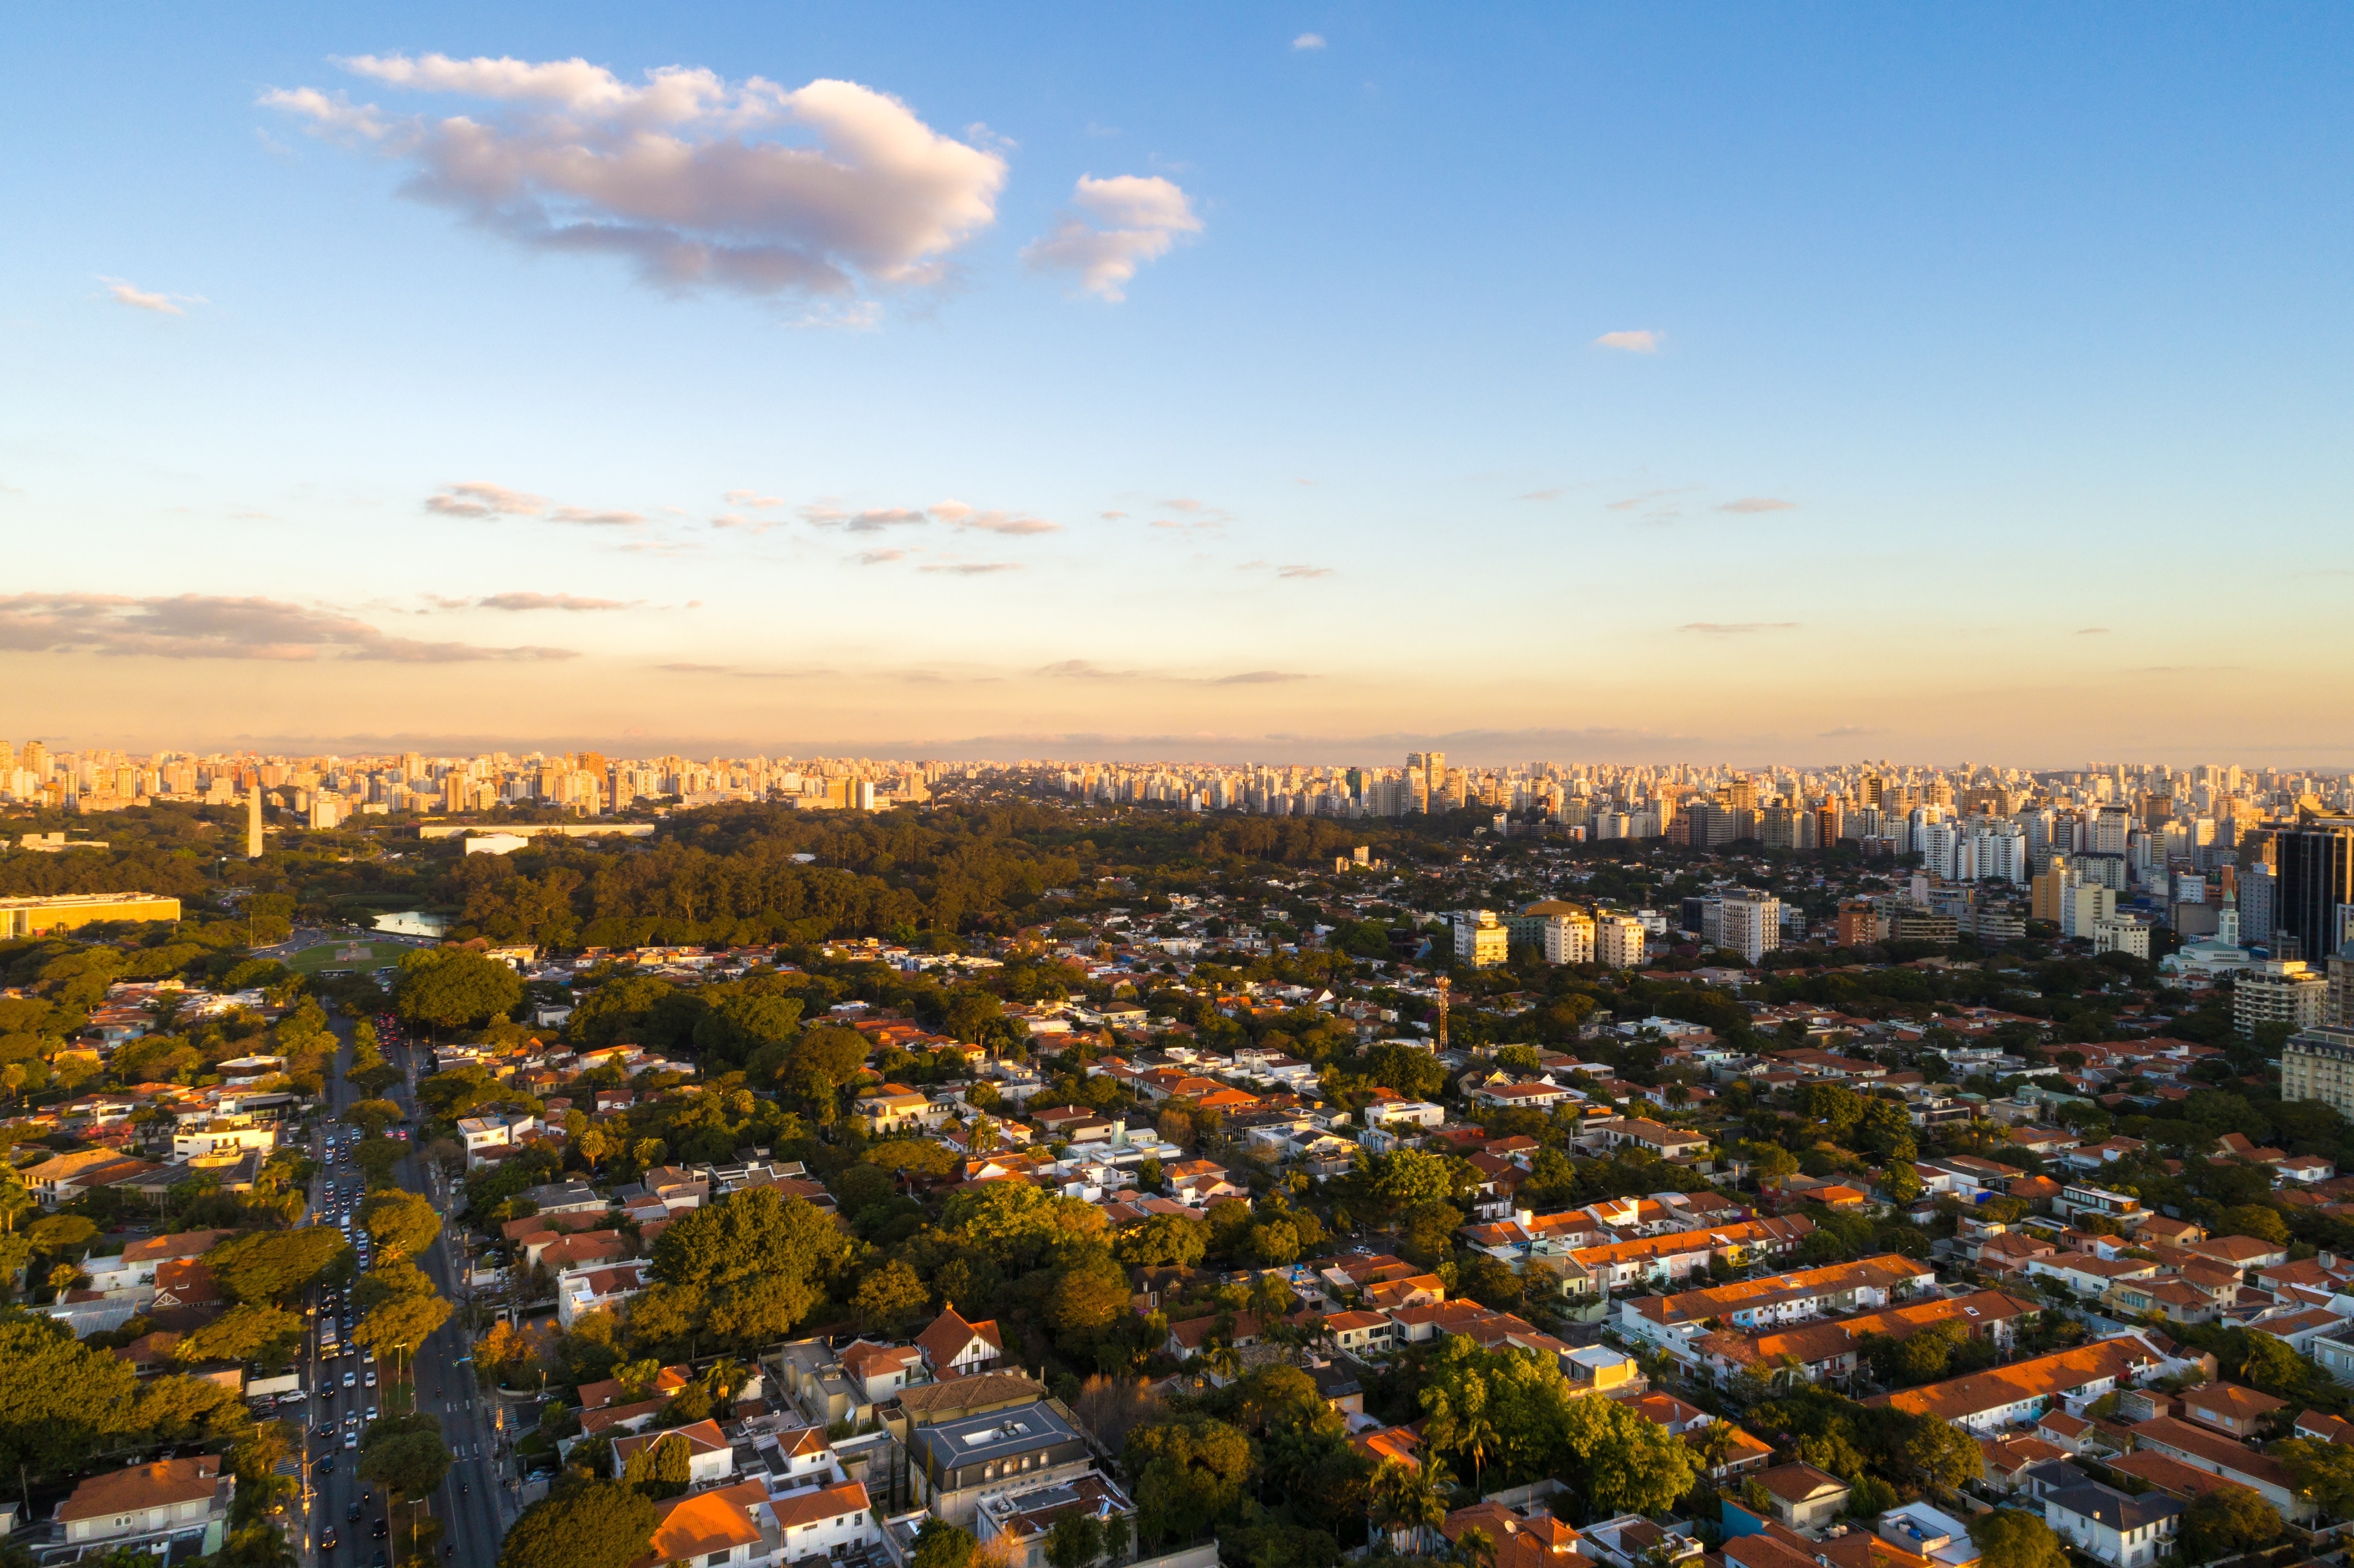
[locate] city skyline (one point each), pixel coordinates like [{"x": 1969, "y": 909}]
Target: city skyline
[{"x": 1762, "y": 387}]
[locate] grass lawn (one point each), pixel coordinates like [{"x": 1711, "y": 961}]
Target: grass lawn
[{"x": 331, "y": 956}]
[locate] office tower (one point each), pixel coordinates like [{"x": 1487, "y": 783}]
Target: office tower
[
  {"x": 2111, "y": 830},
  {"x": 1830, "y": 822},
  {"x": 2337, "y": 1005},
  {"x": 253, "y": 823},
  {"x": 2314, "y": 872}
]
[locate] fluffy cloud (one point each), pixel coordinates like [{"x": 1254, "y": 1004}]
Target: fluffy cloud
[
  {"x": 551, "y": 601},
  {"x": 1631, "y": 342},
  {"x": 139, "y": 298},
  {"x": 1308, "y": 41},
  {"x": 208, "y": 626},
  {"x": 1112, "y": 227},
  {"x": 957, "y": 514},
  {"x": 477, "y": 498},
  {"x": 1753, "y": 503},
  {"x": 683, "y": 173}
]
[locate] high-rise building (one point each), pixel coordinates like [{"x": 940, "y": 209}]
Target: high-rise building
[
  {"x": 1751, "y": 923},
  {"x": 2259, "y": 904},
  {"x": 1619, "y": 942},
  {"x": 2281, "y": 990},
  {"x": 2314, "y": 864},
  {"x": 253, "y": 823},
  {"x": 1569, "y": 938}
]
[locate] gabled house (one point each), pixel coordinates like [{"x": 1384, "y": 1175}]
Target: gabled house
[{"x": 954, "y": 1347}]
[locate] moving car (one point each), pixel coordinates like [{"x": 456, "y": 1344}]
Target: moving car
[{"x": 327, "y": 1541}]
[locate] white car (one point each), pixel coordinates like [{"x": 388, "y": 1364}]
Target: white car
[
  {"x": 349, "y": 1379},
  {"x": 351, "y": 1439},
  {"x": 371, "y": 1379}
]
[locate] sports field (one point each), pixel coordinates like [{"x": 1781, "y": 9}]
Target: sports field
[{"x": 358, "y": 954}]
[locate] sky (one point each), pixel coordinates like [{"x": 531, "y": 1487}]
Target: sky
[{"x": 1751, "y": 383}]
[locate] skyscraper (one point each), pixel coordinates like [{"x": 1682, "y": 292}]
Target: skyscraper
[
  {"x": 253, "y": 823},
  {"x": 2313, "y": 883}
]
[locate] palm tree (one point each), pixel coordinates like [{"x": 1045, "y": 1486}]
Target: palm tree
[
  {"x": 1475, "y": 1548},
  {"x": 1411, "y": 1498},
  {"x": 1223, "y": 1359}
]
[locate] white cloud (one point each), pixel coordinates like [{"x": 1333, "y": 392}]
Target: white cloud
[
  {"x": 878, "y": 557},
  {"x": 973, "y": 568},
  {"x": 139, "y": 298},
  {"x": 957, "y": 514},
  {"x": 479, "y": 498},
  {"x": 1308, "y": 41},
  {"x": 753, "y": 499},
  {"x": 551, "y": 601},
  {"x": 1112, "y": 227},
  {"x": 211, "y": 626},
  {"x": 682, "y": 174},
  {"x": 1632, "y": 341},
  {"x": 1759, "y": 503}
]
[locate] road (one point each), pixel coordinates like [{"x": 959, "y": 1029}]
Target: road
[{"x": 476, "y": 1503}]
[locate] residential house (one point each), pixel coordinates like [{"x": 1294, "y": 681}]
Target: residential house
[
  {"x": 959, "y": 1462},
  {"x": 954, "y": 1347},
  {"x": 1802, "y": 1497},
  {"x": 1988, "y": 1401},
  {"x": 156, "y": 1507},
  {"x": 710, "y": 1460},
  {"x": 598, "y": 1290}
]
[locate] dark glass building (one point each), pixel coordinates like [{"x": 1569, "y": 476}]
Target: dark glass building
[{"x": 2313, "y": 871}]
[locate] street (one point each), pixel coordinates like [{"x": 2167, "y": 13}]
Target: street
[{"x": 474, "y": 1503}]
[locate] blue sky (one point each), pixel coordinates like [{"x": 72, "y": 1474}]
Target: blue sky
[{"x": 1993, "y": 404}]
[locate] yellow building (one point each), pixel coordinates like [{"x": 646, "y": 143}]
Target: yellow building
[{"x": 65, "y": 911}]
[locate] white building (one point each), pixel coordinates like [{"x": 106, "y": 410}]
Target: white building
[
  {"x": 1569, "y": 939},
  {"x": 2127, "y": 934},
  {"x": 1619, "y": 942},
  {"x": 1752, "y": 923},
  {"x": 2120, "y": 1530}
]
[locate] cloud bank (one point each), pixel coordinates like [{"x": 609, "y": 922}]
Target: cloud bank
[{"x": 209, "y": 626}]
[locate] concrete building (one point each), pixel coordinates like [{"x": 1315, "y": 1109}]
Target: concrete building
[
  {"x": 2317, "y": 1063},
  {"x": 2279, "y": 990},
  {"x": 1569, "y": 938},
  {"x": 1751, "y": 923},
  {"x": 1619, "y": 942},
  {"x": 960, "y": 1463},
  {"x": 67, "y": 911},
  {"x": 2127, "y": 934}
]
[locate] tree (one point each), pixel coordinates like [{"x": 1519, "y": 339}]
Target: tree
[
  {"x": 276, "y": 1266},
  {"x": 2257, "y": 1220},
  {"x": 1164, "y": 1241},
  {"x": 2013, "y": 1538},
  {"x": 939, "y": 1544},
  {"x": 1089, "y": 1294},
  {"x": 1771, "y": 1164},
  {"x": 1632, "y": 1465},
  {"x": 1404, "y": 1179},
  {"x": 1074, "y": 1541},
  {"x": 2323, "y": 1471},
  {"x": 660, "y": 1469},
  {"x": 398, "y": 1324},
  {"x": 405, "y": 1454},
  {"x": 402, "y": 1222},
  {"x": 591, "y": 1524},
  {"x": 890, "y": 1297},
  {"x": 60, "y": 1401},
  {"x": 818, "y": 1064},
  {"x": 241, "y": 1333},
  {"x": 372, "y": 1117},
  {"x": 1188, "y": 1475},
  {"x": 1411, "y": 1498},
  {"x": 454, "y": 987},
  {"x": 2225, "y": 1522},
  {"x": 744, "y": 1270}
]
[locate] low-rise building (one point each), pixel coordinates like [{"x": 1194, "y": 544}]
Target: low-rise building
[{"x": 153, "y": 1506}]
